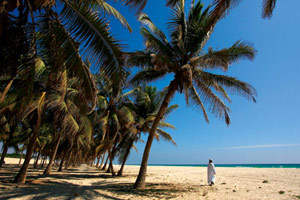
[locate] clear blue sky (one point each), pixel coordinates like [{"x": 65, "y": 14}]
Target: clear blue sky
[{"x": 265, "y": 132}]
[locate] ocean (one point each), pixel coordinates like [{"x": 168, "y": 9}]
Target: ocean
[{"x": 232, "y": 165}]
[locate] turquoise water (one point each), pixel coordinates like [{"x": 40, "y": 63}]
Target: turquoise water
[{"x": 235, "y": 165}]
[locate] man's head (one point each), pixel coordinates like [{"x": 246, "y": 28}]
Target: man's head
[{"x": 210, "y": 161}]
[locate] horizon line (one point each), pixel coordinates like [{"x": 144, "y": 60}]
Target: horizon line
[{"x": 262, "y": 146}]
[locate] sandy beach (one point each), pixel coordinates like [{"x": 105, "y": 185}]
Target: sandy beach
[{"x": 87, "y": 182}]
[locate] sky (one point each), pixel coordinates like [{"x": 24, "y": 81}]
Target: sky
[{"x": 267, "y": 131}]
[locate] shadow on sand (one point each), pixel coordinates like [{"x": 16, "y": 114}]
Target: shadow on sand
[{"x": 57, "y": 186}]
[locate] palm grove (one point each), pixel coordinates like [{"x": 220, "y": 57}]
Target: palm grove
[{"x": 53, "y": 108}]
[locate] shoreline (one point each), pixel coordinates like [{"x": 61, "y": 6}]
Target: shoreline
[
  {"x": 272, "y": 165},
  {"x": 163, "y": 182}
]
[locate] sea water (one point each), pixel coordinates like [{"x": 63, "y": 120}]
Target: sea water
[{"x": 232, "y": 165}]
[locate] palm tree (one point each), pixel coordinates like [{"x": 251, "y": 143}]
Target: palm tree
[
  {"x": 184, "y": 56},
  {"x": 145, "y": 102}
]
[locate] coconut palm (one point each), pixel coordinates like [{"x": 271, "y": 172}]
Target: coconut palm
[
  {"x": 183, "y": 55},
  {"x": 145, "y": 102}
]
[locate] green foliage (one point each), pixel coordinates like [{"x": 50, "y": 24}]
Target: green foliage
[{"x": 183, "y": 55}]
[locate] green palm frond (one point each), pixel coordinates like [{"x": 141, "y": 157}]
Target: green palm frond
[
  {"x": 155, "y": 33},
  {"x": 100, "y": 47},
  {"x": 170, "y": 109},
  {"x": 110, "y": 10},
  {"x": 154, "y": 44},
  {"x": 214, "y": 103},
  {"x": 165, "y": 136},
  {"x": 138, "y": 58},
  {"x": 225, "y": 57},
  {"x": 60, "y": 52},
  {"x": 194, "y": 96},
  {"x": 166, "y": 125},
  {"x": 232, "y": 84},
  {"x": 147, "y": 76}
]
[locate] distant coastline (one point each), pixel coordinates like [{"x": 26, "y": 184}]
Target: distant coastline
[{"x": 295, "y": 165}]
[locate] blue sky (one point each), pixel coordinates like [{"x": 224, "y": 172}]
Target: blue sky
[{"x": 265, "y": 132}]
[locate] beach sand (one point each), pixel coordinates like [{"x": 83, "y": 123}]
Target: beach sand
[{"x": 87, "y": 182}]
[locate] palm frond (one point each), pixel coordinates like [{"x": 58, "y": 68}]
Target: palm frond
[
  {"x": 197, "y": 102},
  {"x": 268, "y": 7},
  {"x": 232, "y": 84},
  {"x": 172, "y": 3},
  {"x": 166, "y": 125},
  {"x": 223, "y": 58},
  {"x": 157, "y": 33},
  {"x": 170, "y": 109},
  {"x": 110, "y": 10},
  {"x": 139, "y": 5},
  {"x": 100, "y": 47},
  {"x": 222, "y": 7},
  {"x": 166, "y": 136},
  {"x": 147, "y": 76},
  {"x": 66, "y": 55},
  {"x": 214, "y": 103},
  {"x": 138, "y": 58}
]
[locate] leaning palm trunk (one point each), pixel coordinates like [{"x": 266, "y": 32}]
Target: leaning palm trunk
[
  {"x": 102, "y": 160},
  {"x": 140, "y": 181},
  {"x": 21, "y": 176},
  {"x": 20, "y": 160},
  {"x": 6, "y": 145},
  {"x": 4, "y": 152},
  {"x": 62, "y": 162},
  {"x": 49, "y": 166},
  {"x": 120, "y": 172},
  {"x": 112, "y": 156},
  {"x": 104, "y": 167},
  {"x": 2, "y": 96},
  {"x": 69, "y": 161},
  {"x": 98, "y": 159},
  {"x": 37, "y": 159}
]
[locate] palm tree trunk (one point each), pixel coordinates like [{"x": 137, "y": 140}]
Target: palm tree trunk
[
  {"x": 43, "y": 161},
  {"x": 98, "y": 159},
  {"x": 140, "y": 181},
  {"x": 112, "y": 156},
  {"x": 49, "y": 166},
  {"x": 37, "y": 159},
  {"x": 21, "y": 155},
  {"x": 69, "y": 160},
  {"x": 75, "y": 159},
  {"x": 2, "y": 97},
  {"x": 102, "y": 160},
  {"x": 104, "y": 167},
  {"x": 120, "y": 172},
  {"x": 21, "y": 176},
  {"x": 62, "y": 162},
  {"x": 109, "y": 160},
  {"x": 6, "y": 145}
]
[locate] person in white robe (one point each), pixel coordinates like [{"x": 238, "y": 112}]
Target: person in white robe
[{"x": 211, "y": 172}]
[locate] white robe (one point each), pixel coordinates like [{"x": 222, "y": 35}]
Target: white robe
[{"x": 211, "y": 171}]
